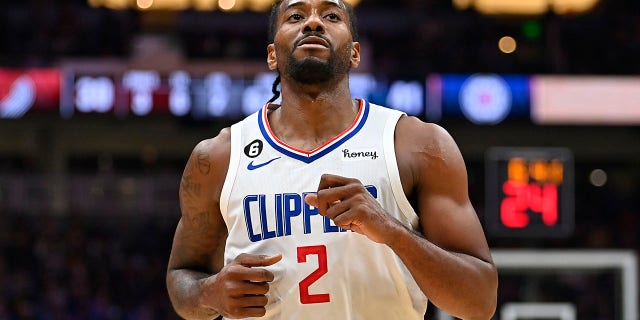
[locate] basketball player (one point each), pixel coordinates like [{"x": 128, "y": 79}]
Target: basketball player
[{"x": 327, "y": 207}]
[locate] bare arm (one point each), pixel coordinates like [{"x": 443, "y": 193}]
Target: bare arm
[
  {"x": 451, "y": 260},
  {"x": 198, "y": 243},
  {"x": 199, "y": 285}
]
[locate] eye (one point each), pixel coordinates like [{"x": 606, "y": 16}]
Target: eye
[
  {"x": 333, "y": 17},
  {"x": 295, "y": 17}
]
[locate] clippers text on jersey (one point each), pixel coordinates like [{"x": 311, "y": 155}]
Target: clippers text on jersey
[{"x": 271, "y": 216}]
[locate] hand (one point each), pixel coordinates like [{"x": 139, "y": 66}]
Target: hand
[
  {"x": 238, "y": 290},
  {"x": 351, "y": 206}
]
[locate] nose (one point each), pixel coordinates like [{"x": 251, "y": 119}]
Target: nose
[{"x": 314, "y": 23}]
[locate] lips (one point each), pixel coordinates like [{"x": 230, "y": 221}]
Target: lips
[{"x": 313, "y": 40}]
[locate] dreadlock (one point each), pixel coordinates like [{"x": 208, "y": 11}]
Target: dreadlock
[
  {"x": 273, "y": 21},
  {"x": 274, "y": 89}
]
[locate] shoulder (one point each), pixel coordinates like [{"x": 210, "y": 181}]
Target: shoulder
[
  {"x": 426, "y": 151},
  {"x": 414, "y": 135},
  {"x": 218, "y": 147},
  {"x": 213, "y": 151}
]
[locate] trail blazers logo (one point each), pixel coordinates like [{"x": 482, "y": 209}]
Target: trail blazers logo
[{"x": 18, "y": 99}]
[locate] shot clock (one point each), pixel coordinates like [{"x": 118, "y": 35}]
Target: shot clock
[{"x": 529, "y": 192}]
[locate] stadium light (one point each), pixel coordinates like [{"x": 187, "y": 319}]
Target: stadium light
[
  {"x": 527, "y": 7},
  {"x": 204, "y": 5}
]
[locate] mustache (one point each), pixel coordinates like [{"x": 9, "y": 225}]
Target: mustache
[{"x": 312, "y": 34}]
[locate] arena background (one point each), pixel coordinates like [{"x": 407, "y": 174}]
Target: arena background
[{"x": 102, "y": 101}]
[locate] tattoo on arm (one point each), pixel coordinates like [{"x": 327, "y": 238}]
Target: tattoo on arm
[
  {"x": 201, "y": 222},
  {"x": 189, "y": 187},
  {"x": 204, "y": 165},
  {"x": 199, "y": 216}
]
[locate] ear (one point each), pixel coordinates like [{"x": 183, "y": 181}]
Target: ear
[
  {"x": 355, "y": 55},
  {"x": 272, "y": 62}
]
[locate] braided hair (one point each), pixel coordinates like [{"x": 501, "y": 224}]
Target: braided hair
[{"x": 274, "y": 89}]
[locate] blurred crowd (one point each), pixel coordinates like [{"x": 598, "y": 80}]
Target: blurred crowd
[{"x": 80, "y": 267}]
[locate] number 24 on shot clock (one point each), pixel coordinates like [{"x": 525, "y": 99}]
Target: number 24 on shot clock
[{"x": 529, "y": 192}]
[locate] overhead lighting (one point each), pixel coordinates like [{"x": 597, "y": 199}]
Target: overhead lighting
[
  {"x": 526, "y": 7},
  {"x": 226, "y": 5},
  {"x": 144, "y": 4},
  {"x": 507, "y": 44},
  {"x": 569, "y": 7}
]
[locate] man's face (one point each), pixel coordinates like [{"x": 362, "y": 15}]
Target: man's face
[{"x": 313, "y": 43}]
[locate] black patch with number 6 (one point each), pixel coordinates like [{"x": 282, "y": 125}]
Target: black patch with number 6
[{"x": 253, "y": 149}]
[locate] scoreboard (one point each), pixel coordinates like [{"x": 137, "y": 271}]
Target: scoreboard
[{"x": 529, "y": 192}]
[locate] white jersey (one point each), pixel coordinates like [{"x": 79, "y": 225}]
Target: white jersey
[{"x": 325, "y": 272}]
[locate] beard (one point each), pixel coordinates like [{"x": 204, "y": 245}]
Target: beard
[{"x": 311, "y": 70}]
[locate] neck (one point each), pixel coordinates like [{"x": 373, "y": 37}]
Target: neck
[{"x": 311, "y": 115}]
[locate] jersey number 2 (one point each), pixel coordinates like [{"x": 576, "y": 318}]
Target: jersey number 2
[{"x": 321, "y": 252}]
